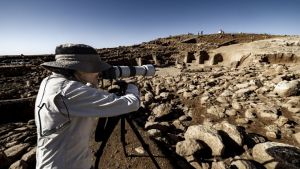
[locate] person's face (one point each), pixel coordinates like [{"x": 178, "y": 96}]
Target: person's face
[{"x": 88, "y": 77}]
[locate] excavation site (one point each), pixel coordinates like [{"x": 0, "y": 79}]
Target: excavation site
[{"x": 216, "y": 101}]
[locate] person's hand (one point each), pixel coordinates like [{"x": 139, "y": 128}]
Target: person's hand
[{"x": 119, "y": 87}]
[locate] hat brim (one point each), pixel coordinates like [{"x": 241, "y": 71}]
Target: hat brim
[{"x": 79, "y": 66}]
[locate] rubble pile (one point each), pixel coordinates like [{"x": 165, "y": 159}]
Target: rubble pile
[
  {"x": 227, "y": 117},
  {"x": 18, "y": 145}
]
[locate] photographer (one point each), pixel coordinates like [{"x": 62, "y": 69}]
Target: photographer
[{"x": 67, "y": 104}]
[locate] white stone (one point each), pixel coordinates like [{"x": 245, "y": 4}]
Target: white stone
[
  {"x": 208, "y": 135},
  {"x": 140, "y": 150},
  {"x": 287, "y": 88}
]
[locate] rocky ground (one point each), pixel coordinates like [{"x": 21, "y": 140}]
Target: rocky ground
[{"x": 192, "y": 116}]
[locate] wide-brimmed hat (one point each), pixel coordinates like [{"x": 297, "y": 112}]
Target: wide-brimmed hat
[{"x": 78, "y": 57}]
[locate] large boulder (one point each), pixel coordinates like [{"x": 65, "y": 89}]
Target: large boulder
[
  {"x": 277, "y": 155},
  {"x": 208, "y": 135},
  {"x": 287, "y": 88}
]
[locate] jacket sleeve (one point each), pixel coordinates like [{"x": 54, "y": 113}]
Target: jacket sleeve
[{"x": 81, "y": 100}]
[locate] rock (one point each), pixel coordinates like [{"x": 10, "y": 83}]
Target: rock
[
  {"x": 204, "y": 99},
  {"x": 271, "y": 134},
  {"x": 10, "y": 144},
  {"x": 193, "y": 162},
  {"x": 232, "y": 132},
  {"x": 267, "y": 113},
  {"x": 222, "y": 99},
  {"x": 226, "y": 93},
  {"x": 281, "y": 121},
  {"x": 187, "y": 147},
  {"x": 149, "y": 97},
  {"x": 163, "y": 126},
  {"x": 231, "y": 112},
  {"x": 187, "y": 95},
  {"x": 236, "y": 106},
  {"x": 277, "y": 155},
  {"x": 15, "y": 151},
  {"x": 178, "y": 125},
  {"x": 297, "y": 137},
  {"x": 21, "y": 129},
  {"x": 162, "y": 110},
  {"x": 208, "y": 135},
  {"x": 29, "y": 157},
  {"x": 191, "y": 87},
  {"x": 217, "y": 111},
  {"x": 242, "y": 121},
  {"x": 180, "y": 91},
  {"x": 250, "y": 113},
  {"x": 196, "y": 92},
  {"x": 287, "y": 88},
  {"x": 140, "y": 150},
  {"x": 272, "y": 131},
  {"x": 251, "y": 139},
  {"x": 218, "y": 165},
  {"x": 242, "y": 85},
  {"x": 256, "y": 82},
  {"x": 164, "y": 95},
  {"x": 20, "y": 164},
  {"x": 31, "y": 122},
  {"x": 293, "y": 105},
  {"x": 242, "y": 164},
  {"x": 184, "y": 118},
  {"x": 154, "y": 133},
  {"x": 242, "y": 92}
]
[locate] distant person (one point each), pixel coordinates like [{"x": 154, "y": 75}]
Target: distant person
[{"x": 68, "y": 102}]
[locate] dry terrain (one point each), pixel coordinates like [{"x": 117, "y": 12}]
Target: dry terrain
[{"x": 216, "y": 101}]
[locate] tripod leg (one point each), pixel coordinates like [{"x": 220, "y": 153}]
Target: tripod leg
[
  {"x": 140, "y": 138},
  {"x": 123, "y": 133},
  {"x": 99, "y": 136}
]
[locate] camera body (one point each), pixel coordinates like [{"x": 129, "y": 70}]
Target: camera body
[{"x": 128, "y": 71}]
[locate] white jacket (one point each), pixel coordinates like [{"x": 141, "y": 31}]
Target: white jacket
[{"x": 65, "y": 114}]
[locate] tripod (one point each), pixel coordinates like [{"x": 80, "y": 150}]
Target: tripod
[{"x": 107, "y": 125}]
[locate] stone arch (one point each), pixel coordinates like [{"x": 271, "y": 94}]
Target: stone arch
[
  {"x": 217, "y": 58},
  {"x": 203, "y": 56}
]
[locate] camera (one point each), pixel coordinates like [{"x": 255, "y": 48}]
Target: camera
[{"x": 128, "y": 71}]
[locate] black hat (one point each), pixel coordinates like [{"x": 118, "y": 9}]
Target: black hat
[{"x": 77, "y": 57}]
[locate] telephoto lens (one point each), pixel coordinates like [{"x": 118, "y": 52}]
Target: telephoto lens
[{"x": 129, "y": 71}]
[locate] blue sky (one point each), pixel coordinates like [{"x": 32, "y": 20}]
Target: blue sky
[{"x": 37, "y": 27}]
